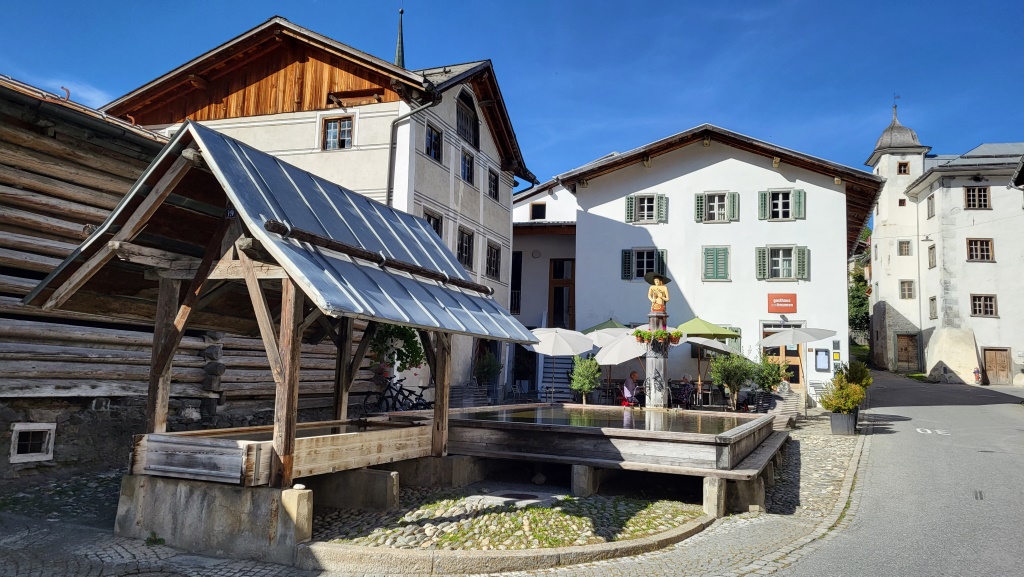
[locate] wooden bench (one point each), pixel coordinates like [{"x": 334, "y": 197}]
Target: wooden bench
[{"x": 741, "y": 488}]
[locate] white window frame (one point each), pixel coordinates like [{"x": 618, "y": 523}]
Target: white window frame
[
  {"x": 429, "y": 215},
  {"x": 933, "y": 307},
  {"x": 427, "y": 127},
  {"x": 788, "y": 201},
  {"x": 932, "y": 258},
  {"x": 46, "y": 455},
  {"x": 981, "y": 301},
  {"x": 496, "y": 197},
  {"x": 721, "y": 211},
  {"x": 472, "y": 247},
  {"x": 654, "y": 261},
  {"x": 900, "y": 244},
  {"x": 792, "y": 261},
  {"x": 496, "y": 261},
  {"x": 913, "y": 291},
  {"x": 640, "y": 199},
  {"x": 930, "y": 204},
  {"x": 472, "y": 167},
  {"x": 322, "y": 117}
]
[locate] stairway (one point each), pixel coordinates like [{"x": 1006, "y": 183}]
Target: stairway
[
  {"x": 786, "y": 411},
  {"x": 467, "y": 396}
]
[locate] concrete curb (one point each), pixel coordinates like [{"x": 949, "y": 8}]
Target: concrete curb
[{"x": 380, "y": 560}]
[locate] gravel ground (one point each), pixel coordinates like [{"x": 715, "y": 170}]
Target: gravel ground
[{"x": 87, "y": 499}]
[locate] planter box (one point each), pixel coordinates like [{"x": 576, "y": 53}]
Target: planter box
[{"x": 844, "y": 424}]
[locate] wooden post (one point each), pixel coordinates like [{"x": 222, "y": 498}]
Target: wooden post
[
  {"x": 342, "y": 374},
  {"x": 160, "y": 377},
  {"x": 442, "y": 363},
  {"x": 286, "y": 399}
]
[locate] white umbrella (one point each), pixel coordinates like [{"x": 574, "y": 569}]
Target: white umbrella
[
  {"x": 561, "y": 342},
  {"x": 620, "y": 350},
  {"x": 602, "y": 337},
  {"x": 797, "y": 336},
  {"x": 707, "y": 344}
]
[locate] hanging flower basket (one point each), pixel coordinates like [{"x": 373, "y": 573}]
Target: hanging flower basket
[{"x": 642, "y": 336}]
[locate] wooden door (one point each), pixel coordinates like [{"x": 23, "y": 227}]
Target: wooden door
[
  {"x": 562, "y": 293},
  {"x": 906, "y": 353},
  {"x": 997, "y": 366},
  {"x": 791, "y": 353}
]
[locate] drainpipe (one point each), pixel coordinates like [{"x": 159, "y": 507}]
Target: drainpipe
[
  {"x": 392, "y": 147},
  {"x": 920, "y": 293}
]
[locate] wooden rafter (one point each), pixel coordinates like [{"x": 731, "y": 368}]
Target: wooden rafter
[
  {"x": 286, "y": 400},
  {"x": 263, "y": 316}
]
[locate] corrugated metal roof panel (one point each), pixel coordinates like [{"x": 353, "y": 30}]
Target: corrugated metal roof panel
[{"x": 264, "y": 188}]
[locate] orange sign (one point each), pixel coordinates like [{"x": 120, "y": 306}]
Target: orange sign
[{"x": 781, "y": 303}]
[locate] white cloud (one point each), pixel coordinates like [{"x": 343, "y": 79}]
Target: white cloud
[{"x": 81, "y": 92}]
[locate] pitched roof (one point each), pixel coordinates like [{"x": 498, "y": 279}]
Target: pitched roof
[
  {"x": 992, "y": 157},
  {"x": 862, "y": 188},
  {"x": 396, "y": 269}
]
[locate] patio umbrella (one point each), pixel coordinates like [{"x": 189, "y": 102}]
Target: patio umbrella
[
  {"x": 561, "y": 342},
  {"x": 797, "y": 336},
  {"x": 608, "y": 324},
  {"x": 697, "y": 327},
  {"x": 620, "y": 350},
  {"x": 602, "y": 337}
]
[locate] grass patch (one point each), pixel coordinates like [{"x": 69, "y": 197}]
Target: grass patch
[
  {"x": 920, "y": 377},
  {"x": 860, "y": 352}
]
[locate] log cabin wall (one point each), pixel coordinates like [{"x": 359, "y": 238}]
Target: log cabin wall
[
  {"x": 60, "y": 174},
  {"x": 277, "y": 76}
]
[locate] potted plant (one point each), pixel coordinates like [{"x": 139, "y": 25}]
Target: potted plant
[
  {"x": 675, "y": 336},
  {"x": 660, "y": 335},
  {"x": 856, "y": 373},
  {"x": 842, "y": 399},
  {"x": 731, "y": 371},
  {"x": 396, "y": 346},
  {"x": 769, "y": 373},
  {"x": 586, "y": 376},
  {"x": 642, "y": 336},
  {"x": 487, "y": 369}
]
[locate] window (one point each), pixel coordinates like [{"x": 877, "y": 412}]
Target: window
[
  {"x": 906, "y": 289},
  {"x": 780, "y": 204},
  {"x": 903, "y": 202},
  {"x": 903, "y": 168},
  {"x": 716, "y": 207},
  {"x": 538, "y": 211},
  {"x": 492, "y": 184},
  {"x": 32, "y": 442},
  {"x": 976, "y": 197},
  {"x": 646, "y": 208},
  {"x": 638, "y": 262},
  {"x": 782, "y": 263},
  {"x": 984, "y": 306},
  {"x": 979, "y": 249},
  {"x": 465, "y": 248},
  {"x": 931, "y": 206},
  {"x": 716, "y": 263},
  {"x": 467, "y": 167},
  {"x": 337, "y": 133},
  {"x": 903, "y": 248},
  {"x": 931, "y": 256},
  {"x": 435, "y": 143},
  {"x": 933, "y": 308},
  {"x": 493, "y": 269},
  {"x": 435, "y": 221},
  {"x": 465, "y": 117}
]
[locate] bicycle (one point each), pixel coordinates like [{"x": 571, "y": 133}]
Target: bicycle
[{"x": 395, "y": 397}]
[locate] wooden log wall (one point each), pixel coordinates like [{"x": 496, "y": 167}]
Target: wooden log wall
[{"x": 57, "y": 180}]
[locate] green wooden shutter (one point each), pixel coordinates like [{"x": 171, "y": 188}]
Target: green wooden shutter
[
  {"x": 709, "y": 263},
  {"x": 698, "y": 207},
  {"x": 662, "y": 206},
  {"x": 733, "y": 202},
  {"x": 722, "y": 263},
  {"x": 736, "y": 343},
  {"x": 761, "y": 254},
  {"x": 660, "y": 261},
  {"x": 798, "y": 204},
  {"x": 627, "y": 264},
  {"x": 630, "y": 208},
  {"x": 762, "y": 205},
  {"x": 802, "y": 257}
]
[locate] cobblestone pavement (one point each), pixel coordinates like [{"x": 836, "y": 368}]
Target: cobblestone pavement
[{"x": 804, "y": 511}]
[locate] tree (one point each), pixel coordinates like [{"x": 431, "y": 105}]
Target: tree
[
  {"x": 586, "y": 376},
  {"x": 732, "y": 371},
  {"x": 857, "y": 299},
  {"x": 768, "y": 372}
]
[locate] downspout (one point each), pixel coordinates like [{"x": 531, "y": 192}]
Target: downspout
[
  {"x": 920, "y": 293},
  {"x": 392, "y": 147}
]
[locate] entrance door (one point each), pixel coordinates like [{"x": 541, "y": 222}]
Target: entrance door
[
  {"x": 562, "y": 294},
  {"x": 791, "y": 353},
  {"x": 906, "y": 353},
  {"x": 997, "y": 366}
]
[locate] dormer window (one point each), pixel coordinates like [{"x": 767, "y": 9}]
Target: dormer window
[{"x": 466, "y": 120}]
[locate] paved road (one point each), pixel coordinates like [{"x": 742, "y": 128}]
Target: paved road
[{"x": 941, "y": 491}]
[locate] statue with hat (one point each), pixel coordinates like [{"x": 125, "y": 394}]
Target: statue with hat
[{"x": 658, "y": 295}]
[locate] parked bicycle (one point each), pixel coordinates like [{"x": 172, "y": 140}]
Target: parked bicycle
[{"x": 395, "y": 397}]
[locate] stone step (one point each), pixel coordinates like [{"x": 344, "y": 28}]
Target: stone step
[{"x": 786, "y": 411}]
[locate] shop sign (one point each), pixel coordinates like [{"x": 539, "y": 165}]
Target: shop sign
[{"x": 781, "y": 302}]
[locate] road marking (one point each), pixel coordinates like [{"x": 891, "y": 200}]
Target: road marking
[{"x": 930, "y": 431}]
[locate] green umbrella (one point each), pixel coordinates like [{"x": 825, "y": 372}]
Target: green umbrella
[
  {"x": 698, "y": 327},
  {"x": 608, "y": 324}
]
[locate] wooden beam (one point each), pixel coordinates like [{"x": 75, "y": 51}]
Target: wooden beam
[
  {"x": 364, "y": 346},
  {"x": 428, "y": 350},
  {"x": 263, "y": 316},
  {"x": 286, "y": 400},
  {"x": 442, "y": 361},
  {"x": 310, "y": 319},
  {"x": 160, "y": 377},
  {"x": 153, "y": 257},
  {"x": 131, "y": 227},
  {"x": 342, "y": 374}
]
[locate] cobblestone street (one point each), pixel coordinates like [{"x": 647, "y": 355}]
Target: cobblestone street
[{"x": 803, "y": 506}]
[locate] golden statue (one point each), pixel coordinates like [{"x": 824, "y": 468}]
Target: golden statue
[{"x": 658, "y": 293}]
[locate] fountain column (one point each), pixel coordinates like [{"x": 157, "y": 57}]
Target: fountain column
[{"x": 656, "y": 385}]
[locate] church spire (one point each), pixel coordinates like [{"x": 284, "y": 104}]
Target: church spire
[{"x": 400, "y": 47}]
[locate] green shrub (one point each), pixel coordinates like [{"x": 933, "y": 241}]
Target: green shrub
[
  {"x": 768, "y": 372},
  {"x": 731, "y": 371},
  {"x": 487, "y": 368},
  {"x": 397, "y": 344},
  {"x": 586, "y": 376},
  {"x": 841, "y": 396},
  {"x": 858, "y": 374}
]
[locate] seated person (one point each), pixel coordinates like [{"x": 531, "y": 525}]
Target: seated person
[{"x": 629, "y": 393}]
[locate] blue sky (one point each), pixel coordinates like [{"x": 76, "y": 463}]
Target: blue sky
[{"x": 582, "y": 79}]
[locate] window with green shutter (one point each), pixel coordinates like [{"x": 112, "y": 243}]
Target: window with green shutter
[
  {"x": 803, "y": 262},
  {"x": 799, "y": 203},
  {"x": 698, "y": 207},
  {"x": 736, "y": 344},
  {"x": 627, "y": 264},
  {"x": 662, "y": 202},
  {"x": 630, "y": 208},
  {"x": 661, "y": 262},
  {"x": 716, "y": 263},
  {"x": 734, "y": 206},
  {"x": 762, "y": 205},
  {"x": 761, "y": 262}
]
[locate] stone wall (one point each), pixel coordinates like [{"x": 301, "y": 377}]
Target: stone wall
[
  {"x": 96, "y": 433},
  {"x": 886, "y": 323}
]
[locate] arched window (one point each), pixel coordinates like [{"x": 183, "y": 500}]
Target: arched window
[{"x": 467, "y": 123}]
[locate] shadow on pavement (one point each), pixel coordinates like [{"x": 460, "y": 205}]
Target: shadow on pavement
[
  {"x": 784, "y": 497},
  {"x": 908, "y": 393},
  {"x": 880, "y": 423}
]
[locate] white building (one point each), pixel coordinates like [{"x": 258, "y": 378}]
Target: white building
[
  {"x": 946, "y": 251},
  {"x": 755, "y": 237},
  {"x": 437, "y": 143}
]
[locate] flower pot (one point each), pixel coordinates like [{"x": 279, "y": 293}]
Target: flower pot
[
  {"x": 674, "y": 340},
  {"x": 639, "y": 339},
  {"x": 844, "y": 423}
]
